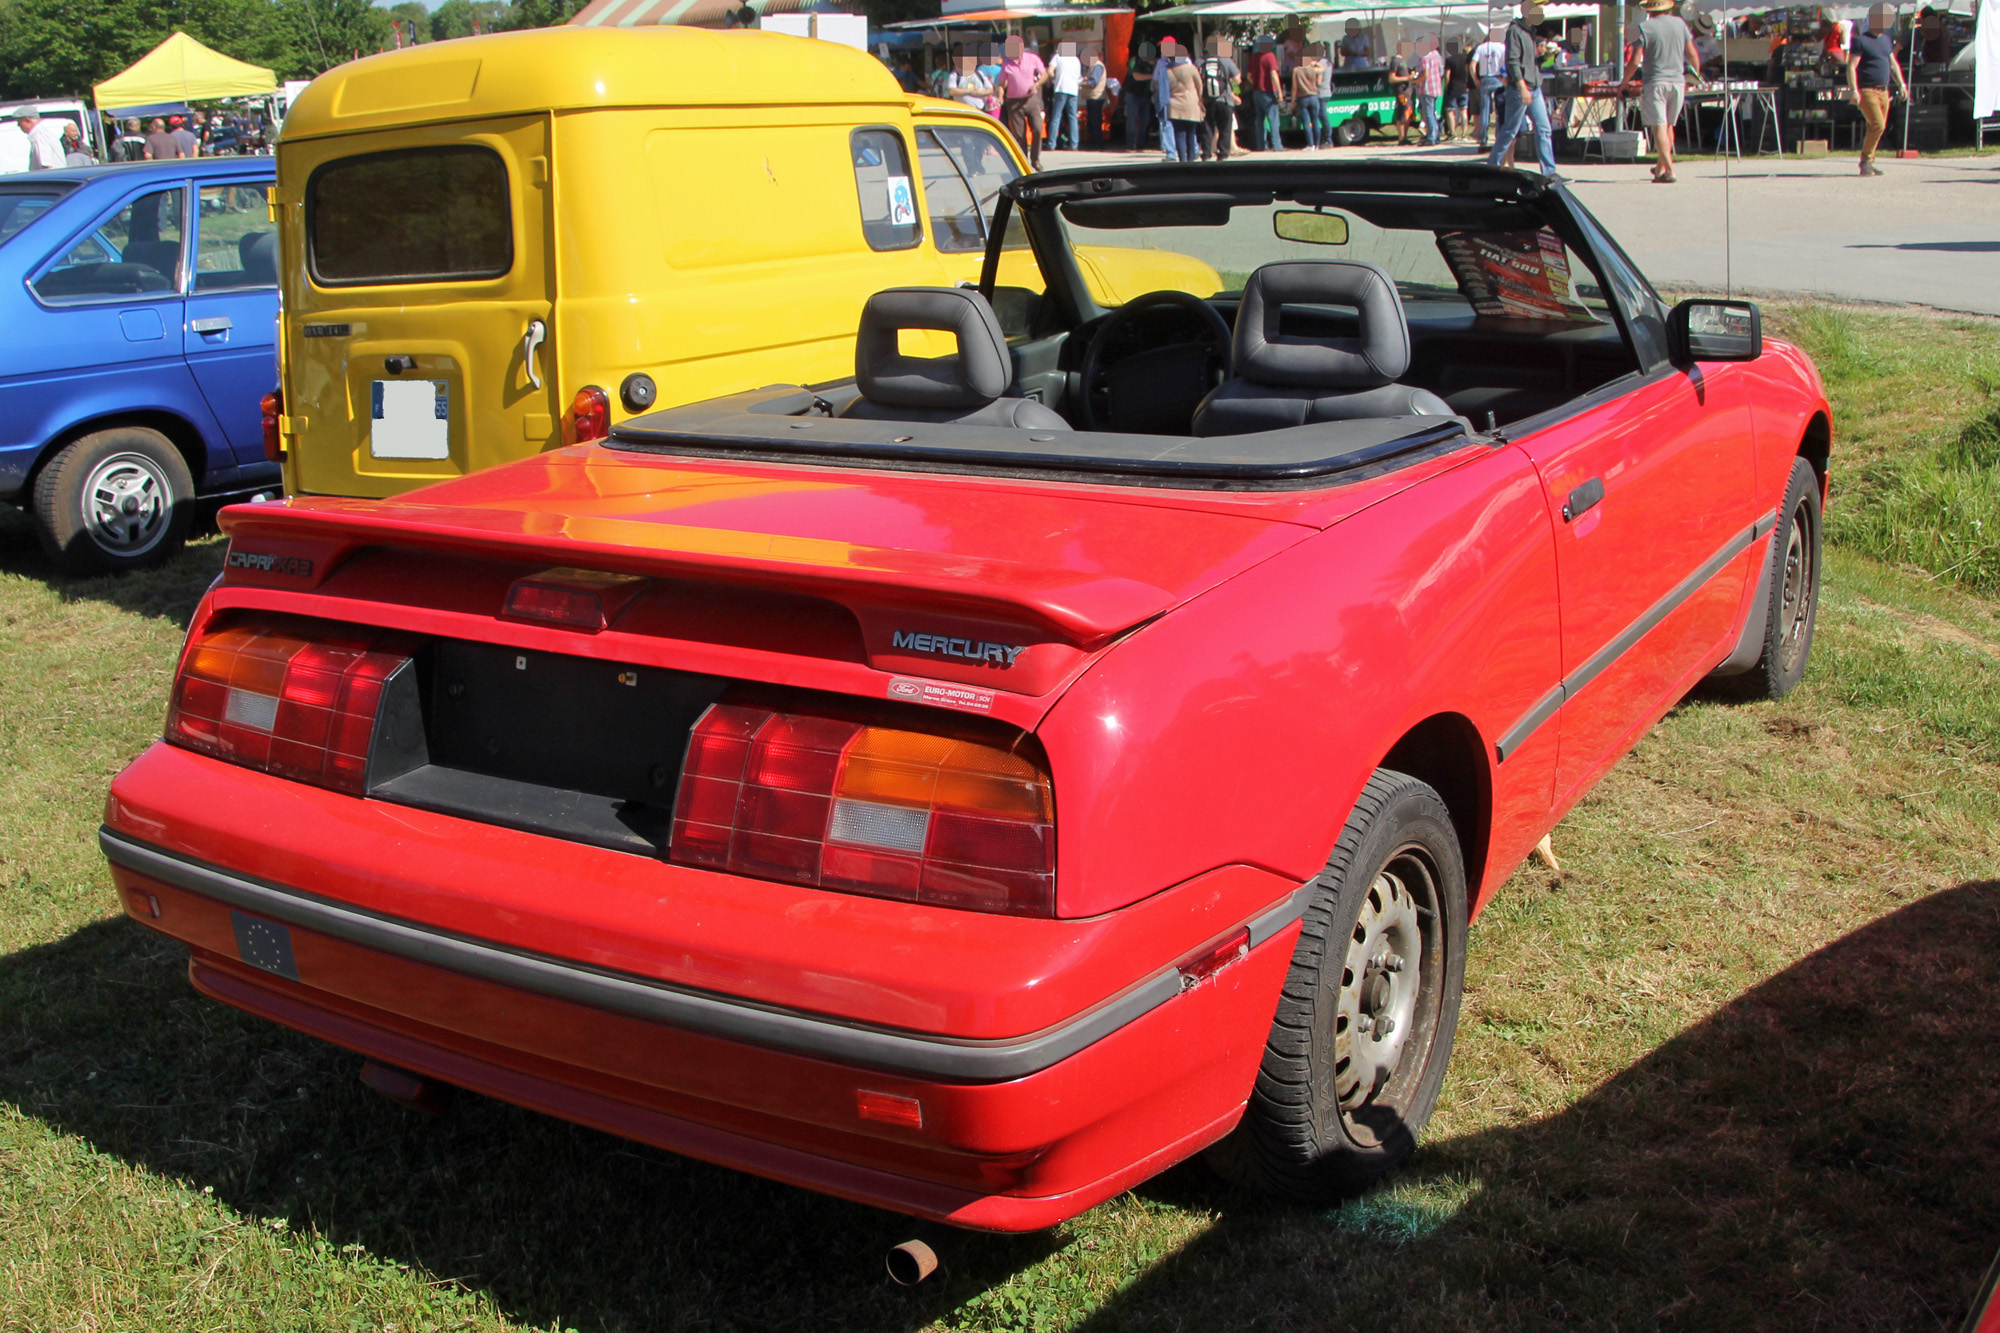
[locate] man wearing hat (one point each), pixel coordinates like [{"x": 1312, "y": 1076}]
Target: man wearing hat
[
  {"x": 1357, "y": 50},
  {"x": 1661, "y": 61},
  {"x": 1525, "y": 103}
]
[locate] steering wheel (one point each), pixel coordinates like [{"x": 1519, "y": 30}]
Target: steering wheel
[{"x": 1216, "y": 332}]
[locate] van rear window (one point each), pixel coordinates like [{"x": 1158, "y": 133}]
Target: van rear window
[{"x": 415, "y": 215}]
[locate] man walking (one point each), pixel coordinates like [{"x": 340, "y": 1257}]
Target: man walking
[
  {"x": 45, "y": 140},
  {"x": 1170, "y": 56},
  {"x": 1218, "y": 77},
  {"x": 1526, "y": 105},
  {"x": 1871, "y": 65},
  {"x": 1489, "y": 67},
  {"x": 1138, "y": 96},
  {"x": 1022, "y": 75},
  {"x": 131, "y": 145},
  {"x": 190, "y": 145},
  {"x": 1457, "y": 89},
  {"x": 1664, "y": 56},
  {"x": 1065, "y": 82},
  {"x": 1430, "y": 90}
]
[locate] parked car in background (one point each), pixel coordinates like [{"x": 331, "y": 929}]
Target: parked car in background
[
  {"x": 972, "y": 803},
  {"x": 497, "y": 245},
  {"x": 138, "y": 316}
]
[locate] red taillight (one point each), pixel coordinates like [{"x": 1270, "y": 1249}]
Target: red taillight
[
  {"x": 866, "y": 809},
  {"x": 298, "y": 701},
  {"x": 273, "y": 407},
  {"x": 585, "y": 599},
  {"x": 589, "y": 416}
]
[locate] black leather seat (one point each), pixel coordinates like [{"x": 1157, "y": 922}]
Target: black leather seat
[
  {"x": 967, "y": 389},
  {"x": 257, "y": 256},
  {"x": 1283, "y": 380}
]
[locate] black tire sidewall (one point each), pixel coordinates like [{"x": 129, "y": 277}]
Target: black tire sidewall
[
  {"x": 64, "y": 531},
  {"x": 1415, "y": 814},
  {"x": 1803, "y": 488}
]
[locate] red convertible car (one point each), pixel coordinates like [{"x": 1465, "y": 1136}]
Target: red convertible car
[{"x": 975, "y": 786}]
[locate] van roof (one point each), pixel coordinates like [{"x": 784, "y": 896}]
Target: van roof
[{"x": 566, "y": 68}]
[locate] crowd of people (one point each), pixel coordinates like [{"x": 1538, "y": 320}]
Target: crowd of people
[{"x": 30, "y": 141}]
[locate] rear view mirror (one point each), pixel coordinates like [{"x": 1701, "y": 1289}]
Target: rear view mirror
[
  {"x": 1311, "y": 228},
  {"x": 1702, "y": 330}
]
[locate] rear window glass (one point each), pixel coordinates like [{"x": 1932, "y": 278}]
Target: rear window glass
[
  {"x": 419, "y": 215},
  {"x": 20, "y": 207}
]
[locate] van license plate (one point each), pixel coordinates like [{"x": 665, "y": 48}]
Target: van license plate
[{"x": 410, "y": 419}]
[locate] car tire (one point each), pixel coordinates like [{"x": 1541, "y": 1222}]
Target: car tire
[
  {"x": 1330, "y": 1116},
  {"x": 1794, "y": 596},
  {"x": 1352, "y": 132},
  {"x": 113, "y": 500}
]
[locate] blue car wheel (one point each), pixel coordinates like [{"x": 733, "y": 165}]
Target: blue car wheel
[{"x": 116, "y": 499}]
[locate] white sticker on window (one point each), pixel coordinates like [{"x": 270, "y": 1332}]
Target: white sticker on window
[
  {"x": 411, "y": 419},
  {"x": 902, "y": 204}
]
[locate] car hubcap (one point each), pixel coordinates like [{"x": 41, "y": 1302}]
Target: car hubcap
[
  {"x": 126, "y": 503},
  {"x": 1380, "y": 985},
  {"x": 1795, "y": 608}
]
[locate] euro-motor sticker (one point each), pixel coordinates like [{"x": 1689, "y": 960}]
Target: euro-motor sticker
[
  {"x": 265, "y": 563},
  {"x": 940, "y": 695}
]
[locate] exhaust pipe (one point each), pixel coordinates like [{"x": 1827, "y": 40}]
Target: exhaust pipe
[
  {"x": 911, "y": 1262},
  {"x": 412, "y": 1090}
]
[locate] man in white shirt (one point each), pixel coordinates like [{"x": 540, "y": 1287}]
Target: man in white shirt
[
  {"x": 1489, "y": 66},
  {"x": 1065, "y": 80},
  {"x": 45, "y": 141}
]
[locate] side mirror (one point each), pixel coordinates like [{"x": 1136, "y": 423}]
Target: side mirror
[{"x": 1704, "y": 330}]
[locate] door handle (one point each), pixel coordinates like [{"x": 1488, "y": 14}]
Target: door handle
[
  {"x": 211, "y": 324},
  {"x": 536, "y": 335},
  {"x": 1582, "y": 499}
]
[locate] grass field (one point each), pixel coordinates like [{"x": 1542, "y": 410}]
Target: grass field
[{"x": 1733, "y": 1068}]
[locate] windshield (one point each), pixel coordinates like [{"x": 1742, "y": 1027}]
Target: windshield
[
  {"x": 1490, "y": 262},
  {"x": 20, "y": 207}
]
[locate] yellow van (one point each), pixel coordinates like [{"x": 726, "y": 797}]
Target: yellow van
[{"x": 496, "y": 245}]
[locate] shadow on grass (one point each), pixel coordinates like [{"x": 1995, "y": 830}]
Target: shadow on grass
[
  {"x": 101, "y": 1037},
  {"x": 1822, "y": 1152},
  {"x": 170, "y": 592}
]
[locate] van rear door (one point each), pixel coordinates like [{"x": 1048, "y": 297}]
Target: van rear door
[{"x": 419, "y": 346}]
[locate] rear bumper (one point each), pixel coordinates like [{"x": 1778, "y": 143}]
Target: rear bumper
[{"x": 1098, "y": 1109}]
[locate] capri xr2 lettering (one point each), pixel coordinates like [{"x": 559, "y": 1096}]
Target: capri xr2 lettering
[
  {"x": 970, "y": 650},
  {"x": 271, "y": 564}
]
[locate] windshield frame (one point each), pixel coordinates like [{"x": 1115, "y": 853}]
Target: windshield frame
[{"x": 1040, "y": 195}]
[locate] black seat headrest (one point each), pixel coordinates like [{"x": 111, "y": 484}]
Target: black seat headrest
[
  {"x": 1264, "y": 356},
  {"x": 976, "y": 376},
  {"x": 257, "y": 256}
]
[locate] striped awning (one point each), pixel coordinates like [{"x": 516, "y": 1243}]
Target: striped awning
[{"x": 686, "y": 13}]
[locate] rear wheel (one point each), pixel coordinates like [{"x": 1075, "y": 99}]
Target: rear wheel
[
  {"x": 1365, "y": 1025},
  {"x": 117, "y": 499},
  {"x": 1793, "y": 596},
  {"x": 1352, "y": 132}
]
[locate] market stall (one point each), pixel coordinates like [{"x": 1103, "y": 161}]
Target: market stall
[{"x": 180, "y": 69}]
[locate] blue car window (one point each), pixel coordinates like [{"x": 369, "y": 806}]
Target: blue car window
[
  {"x": 20, "y": 207},
  {"x": 134, "y": 252},
  {"x": 236, "y": 244}
]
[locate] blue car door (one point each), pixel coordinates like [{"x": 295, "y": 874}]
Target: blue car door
[{"x": 230, "y": 332}]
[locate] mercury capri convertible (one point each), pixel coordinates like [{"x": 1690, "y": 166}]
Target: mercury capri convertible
[{"x": 976, "y": 785}]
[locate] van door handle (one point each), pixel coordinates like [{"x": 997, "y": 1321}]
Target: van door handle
[
  {"x": 211, "y": 324},
  {"x": 536, "y": 335},
  {"x": 1583, "y": 499}
]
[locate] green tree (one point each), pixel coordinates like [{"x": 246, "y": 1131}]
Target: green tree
[
  {"x": 539, "y": 13},
  {"x": 51, "y": 48},
  {"x": 415, "y": 19},
  {"x": 319, "y": 34}
]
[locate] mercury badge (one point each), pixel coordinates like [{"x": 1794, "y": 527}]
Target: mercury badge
[{"x": 967, "y": 650}]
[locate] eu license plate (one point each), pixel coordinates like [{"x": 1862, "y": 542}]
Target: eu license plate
[
  {"x": 265, "y": 944},
  {"x": 410, "y": 419}
]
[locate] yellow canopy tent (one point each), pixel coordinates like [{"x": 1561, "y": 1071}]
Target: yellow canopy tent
[{"x": 181, "y": 69}]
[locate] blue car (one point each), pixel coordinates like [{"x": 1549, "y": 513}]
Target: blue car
[{"x": 138, "y": 318}]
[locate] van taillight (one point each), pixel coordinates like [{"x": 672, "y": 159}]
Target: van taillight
[
  {"x": 589, "y": 416},
  {"x": 297, "y": 700},
  {"x": 273, "y": 407},
  {"x": 866, "y": 809}
]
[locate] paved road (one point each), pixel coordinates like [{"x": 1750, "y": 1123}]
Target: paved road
[{"x": 1927, "y": 232}]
